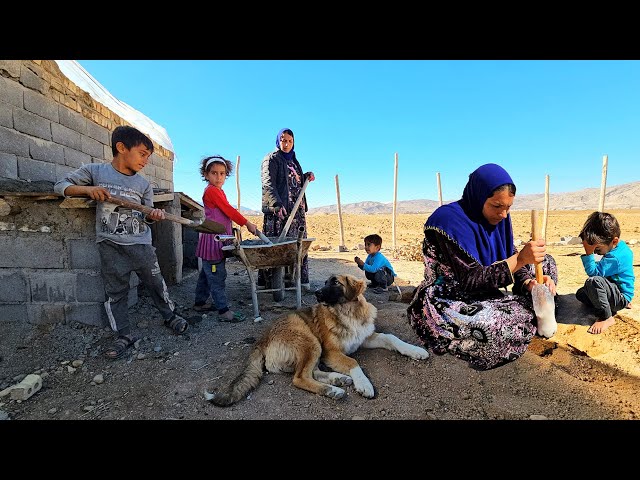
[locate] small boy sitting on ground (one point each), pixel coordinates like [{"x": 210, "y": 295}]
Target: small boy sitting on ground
[
  {"x": 610, "y": 285},
  {"x": 376, "y": 266}
]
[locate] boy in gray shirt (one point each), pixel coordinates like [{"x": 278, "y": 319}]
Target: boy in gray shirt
[{"x": 123, "y": 235}]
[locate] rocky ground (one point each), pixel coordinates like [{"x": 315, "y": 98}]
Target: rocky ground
[{"x": 572, "y": 376}]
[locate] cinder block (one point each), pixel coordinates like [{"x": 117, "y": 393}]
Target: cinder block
[
  {"x": 73, "y": 120},
  {"x": 98, "y": 132},
  {"x": 40, "y": 105},
  {"x": 13, "y": 286},
  {"x": 65, "y": 136},
  {"x": 38, "y": 251},
  {"x": 108, "y": 154},
  {"x": 8, "y": 165},
  {"x": 12, "y": 313},
  {"x": 34, "y": 170},
  {"x": 13, "y": 142},
  {"x": 53, "y": 286},
  {"x": 46, "y": 151},
  {"x": 6, "y": 115},
  {"x": 12, "y": 67},
  {"x": 90, "y": 287},
  {"x": 87, "y": 313},
  {"x": 27, "y": 387},
  {"x": 62, "y": 171},
  {"x": 31, "y": 124},
  {"x": 74, "y": 158},
  {"x": 43, "y": 313},
  {"x": 91, "y": 147},
  {"x": 83, "y": 254},
  {"x": 11, "y": 92},
  {"x": 33, "y": 81}
]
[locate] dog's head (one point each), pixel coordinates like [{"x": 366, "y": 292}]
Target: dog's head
[{"x": 340, "y": 289}]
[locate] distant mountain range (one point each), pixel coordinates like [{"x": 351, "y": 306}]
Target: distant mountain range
[{"x": 617, "y": 197}]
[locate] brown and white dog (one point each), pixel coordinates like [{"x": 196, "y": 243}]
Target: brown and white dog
[{"x": 340, "y": 323}]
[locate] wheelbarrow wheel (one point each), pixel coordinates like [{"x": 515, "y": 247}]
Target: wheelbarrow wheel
[{"x": 277, "y": 282}]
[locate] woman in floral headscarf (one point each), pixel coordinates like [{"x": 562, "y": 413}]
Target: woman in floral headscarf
[
  {"x": 469, "y": 256},
  {"x": 282, "y": 181}
]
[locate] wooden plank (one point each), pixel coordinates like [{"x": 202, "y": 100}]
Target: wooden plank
[
  {"x": 78, "y": 202},
  {"x": 30, "y": 194},
  {"x": 163, "y": 197},
  {"x": 189, "y": 202}
]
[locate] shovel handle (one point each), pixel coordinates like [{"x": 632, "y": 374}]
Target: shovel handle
[{"x": 535, "y": 234}]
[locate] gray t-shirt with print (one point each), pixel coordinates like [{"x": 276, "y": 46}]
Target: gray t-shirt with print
[{"x": 120, "y": 225}]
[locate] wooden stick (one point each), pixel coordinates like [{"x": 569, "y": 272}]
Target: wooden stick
[
  {"x": 545, "y": 217},
  {"x": 294, "y": 210},
  {"x": 339, "y": 213},
  {"x": 535, "y": 234},
  {"x": 439, "y": 188},
  {"x": 603, "y": 184},
  {"x": 238, "y": 179},
  {"x": 395, "y": 200}
]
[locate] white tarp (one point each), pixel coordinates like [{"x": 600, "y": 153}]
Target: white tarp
[{"x": 78, "y": 75}]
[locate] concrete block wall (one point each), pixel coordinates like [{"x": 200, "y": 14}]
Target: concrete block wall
[{"x": 49, "y": 263}]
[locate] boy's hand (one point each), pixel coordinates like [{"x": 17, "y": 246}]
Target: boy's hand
[
  {"x": 99, "y": 194},
  {"x": 359, "y": 261},
  {"x": 156, "y": 214},
  {"x": 588, "y": 249}
]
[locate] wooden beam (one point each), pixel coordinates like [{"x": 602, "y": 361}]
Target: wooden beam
[
  {"x": 78, "y": 202},
  {"x": 163, "y": 197}
]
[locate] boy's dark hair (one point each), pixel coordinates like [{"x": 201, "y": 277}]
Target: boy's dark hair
[
  {"x": 373, "y": 238},
  {"x": 204, "y": 168},
  {"x": 130, "y": 137},
  {"x": 600, "y": 227}
]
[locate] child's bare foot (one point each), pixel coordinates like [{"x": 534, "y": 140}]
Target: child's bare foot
[
  {"x": 628, "y": 305},
  {"x": 601, "y": 325}
]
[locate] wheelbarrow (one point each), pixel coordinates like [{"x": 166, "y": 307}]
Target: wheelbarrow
[{"x": 257, "y": 254}]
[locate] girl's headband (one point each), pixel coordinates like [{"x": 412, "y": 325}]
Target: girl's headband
[{"x": 214, "y": 160}]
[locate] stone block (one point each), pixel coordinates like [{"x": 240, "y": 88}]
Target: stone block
[
  {"x": 33, "y": 81},
  {"x": 13, "y": 142},
  {"x": 37, "y": 251},
  {"x": 43, "y": 313},
  {"x": 6, "y": 115},
  {"x": 65, "y": 136},
  {"x": 91, "y": 147},
  {"x": 8, "y": 165},
  {"x": 90, "y": 288},
  {"x": 88, "y": 313},
  {"x": 41, "y": 105},
  {"x": 31, "y": 124},
  {"x": 74, "y": 158},
  {"x": 108, "y": 154},
  {"x": 11, "y": 92},
  {"x": 99, "y": 133},
  {"x": 73, "y": 120},
  {"x": 53, "y": 286},
  {"x": 83, "y": 254},
  {"x": 34, "y": 170},
  {"x": 46, "y": 151},
  {"x": 12, "y": 67},
  {"x": 12, "y": 313}
]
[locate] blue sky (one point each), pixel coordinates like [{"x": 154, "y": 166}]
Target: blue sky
[{"x": 350, "y": 117}]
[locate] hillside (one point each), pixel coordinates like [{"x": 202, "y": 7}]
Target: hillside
[{"x": 617, "y": 197}]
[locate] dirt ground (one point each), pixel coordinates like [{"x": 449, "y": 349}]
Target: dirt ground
[{"x": 572, "y": 376}]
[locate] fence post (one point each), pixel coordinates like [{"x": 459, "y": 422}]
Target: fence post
[
  {"x": 341, "y": 247},
  {"x": 439, "y": 188},
  {"x": 395, "y": 200},
  {"x": 603, "y": 184}
]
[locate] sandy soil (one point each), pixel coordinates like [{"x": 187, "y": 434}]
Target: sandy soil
[{"x": 574, "y": 375}]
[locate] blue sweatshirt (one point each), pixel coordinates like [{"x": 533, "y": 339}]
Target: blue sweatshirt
[
  {"x": 375, "y": 262},
  {"x": 617, "y": 266}
]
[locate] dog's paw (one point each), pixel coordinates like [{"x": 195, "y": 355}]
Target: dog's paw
[
  {"x": 340, "y": 380},
  {"x": 417, "y": 353},
  {"x": 335, "y": 392},
  {"x": 361, "y": 383}
]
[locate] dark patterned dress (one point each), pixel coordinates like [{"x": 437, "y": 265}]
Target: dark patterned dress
[
  {"x": 273, "y": 225},
  {"x": 471, "y": 315}
]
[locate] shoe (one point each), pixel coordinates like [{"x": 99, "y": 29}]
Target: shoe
[
  {"x": 205, "y": 307},
  {"x": 380, "y": 290},
  {"x": 231, "y": 317}
]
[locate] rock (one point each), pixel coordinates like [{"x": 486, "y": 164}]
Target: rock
[
  {"x": 537, "y": 417},
  {"x": 77, "y": 363},
  {"x": 70, "y": 369},
  {"x": 98, "y": 379},
  {"x": 51, "y": 411}
]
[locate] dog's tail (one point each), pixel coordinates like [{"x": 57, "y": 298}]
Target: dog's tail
[{"x": 243, "y": 384}]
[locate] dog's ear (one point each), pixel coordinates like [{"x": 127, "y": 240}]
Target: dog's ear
[{"x": 355, "y": 287}]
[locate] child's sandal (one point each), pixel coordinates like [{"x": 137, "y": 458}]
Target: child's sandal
[{"x": 178, "y": 324}]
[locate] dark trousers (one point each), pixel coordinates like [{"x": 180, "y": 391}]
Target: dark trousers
[
  {"x": 117, "y": 262},
  {"x": 212, "y": 283},
  {"x": 382, "y": 278},
  {"x": 603, "y": 296}
]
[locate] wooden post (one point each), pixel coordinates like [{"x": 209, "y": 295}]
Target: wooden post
[
  {"x": 341, "y": 247},
  {"x": 603, "y": 184},
  {"x": 238, "y": 179},
  {"x": 395, "y": 200},
  {"x": 546, "y": 208},
  {"x": 439, "y": 188}
]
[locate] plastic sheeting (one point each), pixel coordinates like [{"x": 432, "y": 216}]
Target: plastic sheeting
[{"x": 78, "y": 75}]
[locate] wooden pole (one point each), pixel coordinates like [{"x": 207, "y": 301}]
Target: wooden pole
[
  {"x": 238, "y": 179},
  {"x": 603, "y": 184},
  {"x": 341, "y": 247},
  {"x": 545, "y": 217},
  {"x": 395, "y": 200},
  {"x": 439, "y": 188}
]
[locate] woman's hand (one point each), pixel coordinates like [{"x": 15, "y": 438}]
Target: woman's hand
[
  {"x": 310, "y": 176},
  {"x": 532, "y": 252},
  {"x": 281, "y": 213},
  {"x": 547, "y": 281}
]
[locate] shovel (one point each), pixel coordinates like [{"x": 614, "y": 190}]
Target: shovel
[
  {"x": 294, "y": 210},
  {"x": 204, "y": 225},
  {"x": 543, "y": 303}
]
